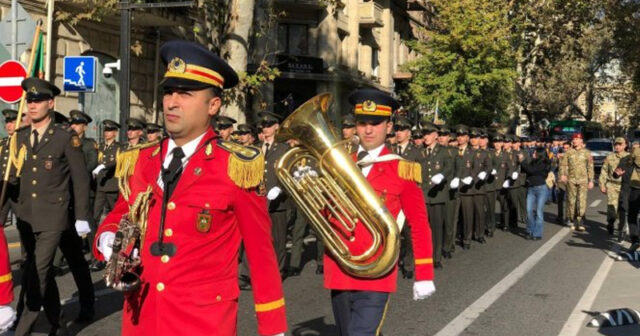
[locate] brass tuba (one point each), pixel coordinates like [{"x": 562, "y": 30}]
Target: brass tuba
[{"x": 336, "y": 192}]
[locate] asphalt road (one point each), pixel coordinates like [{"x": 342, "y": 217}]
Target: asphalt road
[{"x": 509, "y": 286}]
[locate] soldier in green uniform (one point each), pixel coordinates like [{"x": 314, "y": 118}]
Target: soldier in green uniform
[
  {"x": 492, "y": 186},
  {"x": 416, "y": 137},
  {"x": 243, "y": 134},
  {"x": 466, "y": 186},
  {"x": 520, "y": 189},
  {"x": 9, "y": 207},
  {"x": 481, "y": 171},
  {"x": 405, "y": 148},
  {"x": 104, "y": 176},
  {"x": 135, "y": 130},
  {"x": 437, "y": 172},
  {"x": 511, "y": 211},
  {"x": 610, "y": 185},
  {"x": 53, "y": 180},
  {"x": 501, "y": 165},
  {"x": 154, "y": 132},
  {"x": 349, "y": 133},
  {"x": 452, "y": 204},
  {"x": 576, "y": 170},
  {"x": 224, "y": 127},
  {"x": 79, "y": 122}
]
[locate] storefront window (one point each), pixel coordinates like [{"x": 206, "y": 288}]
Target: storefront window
[{"x": 293, "y": 39}]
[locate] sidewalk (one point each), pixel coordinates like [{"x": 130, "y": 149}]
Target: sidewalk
[{"x": 619, "y": 290}]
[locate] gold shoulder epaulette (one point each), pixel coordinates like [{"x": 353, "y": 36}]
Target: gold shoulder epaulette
[
  {"x": 410, "y": 170},
  {"x": 125, "y": 165},
  {"x": 246, "y": 164}
]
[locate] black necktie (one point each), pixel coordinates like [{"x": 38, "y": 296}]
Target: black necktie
[
  {"x": 429, "y": 151},
  {"x": 171, "y": 175},
  {"x": 361, "y": 156},
  {"x": 266, "y": 147},
  {"x": 35, "y": 139}
]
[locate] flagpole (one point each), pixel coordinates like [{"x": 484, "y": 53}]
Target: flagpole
[{"x": 12, "y": 141}]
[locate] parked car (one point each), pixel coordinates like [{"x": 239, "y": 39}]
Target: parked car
[{"x": 599, "y": 148}]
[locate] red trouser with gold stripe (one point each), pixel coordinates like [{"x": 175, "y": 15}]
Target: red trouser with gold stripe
[{"x": 6, "y": 283}]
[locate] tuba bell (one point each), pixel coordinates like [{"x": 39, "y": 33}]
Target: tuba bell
[{"x": 336, "y": 198}]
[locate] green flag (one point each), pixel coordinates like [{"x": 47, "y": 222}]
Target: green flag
[{"x": 38, "y": 61}]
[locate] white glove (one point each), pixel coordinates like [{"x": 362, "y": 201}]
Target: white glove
[
  {"x": 514, "y": 176},
  {"x": 423, "y": 289},
  {"x": 280, "y": 334},
  {"x": 7, "y": 317},
  {"x": 98, "y": 169},
  {"x": 505, "y": 184},
  {"x": 274, "y": 193},
  {"x": 467, "y": 180},
  {"x": 482, "y": 175},
  {"x": 455, "y": 183},
  {"x": 437, "y": 178},
  {"x": 82, "y": 227},
  {"x": 105, "y": 244},
  {"x": 493, "y": 172}
]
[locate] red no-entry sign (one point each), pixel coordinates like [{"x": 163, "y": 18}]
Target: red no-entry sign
[{"x": 11, "y": 75}]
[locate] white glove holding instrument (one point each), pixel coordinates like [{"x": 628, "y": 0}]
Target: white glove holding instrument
[
  {"x": 423, "y": 289},
  {"x": 105, "y": 244},
  {"x": 7, "y": 317},
  {"x": 437, "y": 179},
  {"x": 98, "y": 169},
  {"x": 82, "y": 227},
  {"x": 467, "y": 180},
  {"x": 455, "y": 183},
  {"x": 274, "y": 193}
]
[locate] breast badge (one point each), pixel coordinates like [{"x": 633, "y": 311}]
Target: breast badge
[
  {"x": 48, "y": 164},
  {"x": 203, "y": 223}
]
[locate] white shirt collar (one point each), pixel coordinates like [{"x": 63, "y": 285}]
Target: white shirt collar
[
  {"x": 374, "y": 153},
  {"x": 189, "y": 149}
]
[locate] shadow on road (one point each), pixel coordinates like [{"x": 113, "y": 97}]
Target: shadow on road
[{"x": 314, "y": 327}]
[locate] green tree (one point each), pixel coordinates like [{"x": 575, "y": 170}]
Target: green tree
[{"x": 467, "y": 63}]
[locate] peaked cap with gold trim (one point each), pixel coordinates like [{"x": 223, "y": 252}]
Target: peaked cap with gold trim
[
  {"x": 39, "y": 89},
  {"x": 372, "y": 105},
  {"x": 191, "y": 66}
]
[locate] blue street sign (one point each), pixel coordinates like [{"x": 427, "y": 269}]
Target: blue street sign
[{"x": 80, "y": 73}]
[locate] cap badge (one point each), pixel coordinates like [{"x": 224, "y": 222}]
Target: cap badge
[
  {"x": 33, "y": 90},
  {"x": 177, "y": 65},
  {"x": 369, "y": 106}
]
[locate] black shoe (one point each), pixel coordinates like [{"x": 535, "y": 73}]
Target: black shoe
[
  {"x": 437, "y": 265},
  {"x": 610, "y": 229},
  {"x": 447, "y": 255},
  {"x": 60, "y": 330},
  {"x": 320, "y": 269},
  {"x": 407, "y": 274},
  {"x": 620, "y": 236},
  {"x": 244, "y": 282},
  {"x": 293, "y": 271},
  {"x": 466, "y": 246},
  {"x": 97, "y": 266},
  {"x": 58, "y": 271},
  {"x": 490, "y": 234},
  {"x": 84, "y": 317}
]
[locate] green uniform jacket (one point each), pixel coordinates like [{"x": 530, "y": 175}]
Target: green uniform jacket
[
  {"x": 438, "y": 162},
  {"x": 90, "y": 151},
  {"x": 105, "y": 180},
  {"x": 53, "y": 174},
  {"x": 481, "y": 163},
  {"x": 464, "y": 167}
]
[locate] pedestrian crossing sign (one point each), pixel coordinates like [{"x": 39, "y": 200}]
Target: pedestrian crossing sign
[{"x": 80, "y": 73}]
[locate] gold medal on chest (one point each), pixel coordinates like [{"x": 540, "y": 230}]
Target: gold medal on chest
[{"x": 203, "y": 223}]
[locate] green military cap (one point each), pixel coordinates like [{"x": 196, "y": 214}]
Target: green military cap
[
  {"x": 242, "y": 129},
  {"x": 258, "y": 127},
  {"x": 59, "y": 118},
  {"x": 135, "y": 124},
  {"x": 513, "y": 138},
  {"x": 474, "y": 132},
  {"x": 620, "y": 140},
  {"x": 224, "y": 122},
  {"x": 110, "y": 125},
  {"x": 79, "y": 117},
  {"x": 39, "y": 89},
  {"x": 461, "y": 129},
  {"x": 153, "y": 128},
  {"x": 428, "y": 127},
  {"x": 444, "y": 130},
  {"x": 497, "y": 137},
  {"x": 402, "y": 123},
  {"x": 484, "y": 133},
  {"x": 349, "y": 121},
  {"x": 9, "y": 115},
  {"x": 267, "y": 118},
  {"x": 416, "y": 133}
]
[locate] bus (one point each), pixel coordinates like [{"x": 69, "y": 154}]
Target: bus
[{"x": 568, "y": 128}]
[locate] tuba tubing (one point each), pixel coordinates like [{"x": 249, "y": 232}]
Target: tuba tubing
[{"x": 339, "y": 193}]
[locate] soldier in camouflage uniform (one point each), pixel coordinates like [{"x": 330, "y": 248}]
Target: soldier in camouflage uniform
[
  {"x": 576, "y": 170},
  {"x": 610, "y": 185}
]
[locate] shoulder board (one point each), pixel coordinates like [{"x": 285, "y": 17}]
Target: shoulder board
[
  {"x": 246, "y": 164},
  {"x": 126, "y": 162},
  {"x": 410, "y": 170},
  {"x": 23, "y": 128}
]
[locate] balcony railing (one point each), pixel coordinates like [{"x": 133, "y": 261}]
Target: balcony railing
[{"x": 370, "y": 14}]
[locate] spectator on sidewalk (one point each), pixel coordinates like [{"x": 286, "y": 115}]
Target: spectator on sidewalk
[{"x": 537, "y": 170}]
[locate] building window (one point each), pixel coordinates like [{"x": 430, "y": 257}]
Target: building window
[
  {"x": 375, "y": 64},
  {"x": 293, "y": 39}
]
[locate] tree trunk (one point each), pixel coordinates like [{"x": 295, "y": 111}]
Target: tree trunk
[
  {"x": 235, "y": 51},
  {"x": 589, "y": 100}
]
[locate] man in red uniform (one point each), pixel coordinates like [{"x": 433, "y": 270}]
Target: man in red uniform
[
  {"x": 205, "y": 189},
  {"x": 358, "y": 303}
]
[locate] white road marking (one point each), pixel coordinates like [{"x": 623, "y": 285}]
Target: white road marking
[
  {"x": 471, "y": 313},
  {"x": 577, "y": 317},
  {"x": 595, "y": 203}
]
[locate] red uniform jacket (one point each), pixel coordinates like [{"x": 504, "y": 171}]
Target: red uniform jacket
[
  {"x": 399, "y": 194},
  {"x": 195, "y": 292}
]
